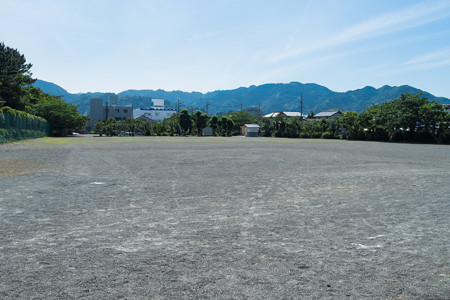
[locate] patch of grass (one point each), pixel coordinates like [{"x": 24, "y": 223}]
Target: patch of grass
[
  {"x": 103, "y": 140},
  {"x": 14, "y": 168}
]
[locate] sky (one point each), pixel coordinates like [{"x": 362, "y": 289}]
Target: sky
[{"x": 207, "y": 45}]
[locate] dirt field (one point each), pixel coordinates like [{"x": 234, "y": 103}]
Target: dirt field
[{"x": 223, "y": 218}]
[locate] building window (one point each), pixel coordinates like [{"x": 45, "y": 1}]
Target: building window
[
  {"x": 117, "y": 110},
  {"x": 156, "y": 113},
  {"x": 125, "y": 111}
]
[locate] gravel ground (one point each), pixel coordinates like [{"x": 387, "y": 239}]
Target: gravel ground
[{"x": 223, "y": 218}]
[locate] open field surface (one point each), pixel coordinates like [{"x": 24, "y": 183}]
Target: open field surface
[{"x": 223, "y": 218}]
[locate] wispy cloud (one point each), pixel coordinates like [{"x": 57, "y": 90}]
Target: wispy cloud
[
  {"x": 430, "y": 58},
  {"x": 385, "y": 24},
  {"x": 433, "y": 60}
]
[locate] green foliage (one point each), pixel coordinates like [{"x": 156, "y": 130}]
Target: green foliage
[
  {"x": 213, "y": 122},
  {"x": 16, "y": 93},
  {"x": 14, "y": 75},
  {"x": 352, "y": 122},
  {"x": 293, "y": 127},
  {"x": 63, "y": 117},
  {"x": 225, "y": 126},
  {"x": 200, "y": 121},
  {"x": 409, "y": 118},
  {"x": 185, "y": 120},
  {"x": 17, "y": 125},
  {"x": 242, "y": 117},
  {"x": 230, "y": 126},
  {"x": 19, "y": 113},
  {"x": 268, "y": 127},
  {"x": 108, "y": 127}
]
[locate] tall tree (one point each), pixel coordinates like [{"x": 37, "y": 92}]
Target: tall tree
[
  {"x": 200, "y": 121},
  {"x": 213, "y": 122},
  {"x": 185, "y": 120},
  {"x": 14, "y": 75},
  {"x": 63, "y": 117},
  {"x": 242, "y": 117}
]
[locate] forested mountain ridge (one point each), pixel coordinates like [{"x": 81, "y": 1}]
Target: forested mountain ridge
[{"x": 271, "y": 97}]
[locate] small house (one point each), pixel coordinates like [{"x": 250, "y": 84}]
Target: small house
[{"x": 250, "y": 130}]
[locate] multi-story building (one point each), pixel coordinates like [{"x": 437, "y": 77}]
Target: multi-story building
[
  {"x": 156, "y": 113},
  {"x": 110, "y": 110}
]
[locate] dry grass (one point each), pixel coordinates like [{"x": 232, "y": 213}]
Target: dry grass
[{"x": 14, "y": 168}]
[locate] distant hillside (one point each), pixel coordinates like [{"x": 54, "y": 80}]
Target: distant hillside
[
  {"x": 272, "y": 97},
  {"x": 50, "y": 88}
]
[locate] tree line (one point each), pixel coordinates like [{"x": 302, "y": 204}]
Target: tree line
[
  {"x": 182, "y": 123},
  {"x": 18, "y": 95},
  {"x": 410, "y": 118}
]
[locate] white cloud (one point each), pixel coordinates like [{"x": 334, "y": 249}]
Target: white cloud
[{"x": 385, "y": 24}]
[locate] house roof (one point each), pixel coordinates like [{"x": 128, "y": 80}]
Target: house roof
[
  {"x": 143, "y": 118},
  {"x": 251, "y": 125},
  {"x": 326, "y": 114},
  {"x": 286, "y": 113},
  {"x": 291, "y": 113},
  {"x": 271, "y": 115}
]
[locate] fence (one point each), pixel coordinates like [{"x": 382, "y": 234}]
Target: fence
[{"x": 14, "y": 128}]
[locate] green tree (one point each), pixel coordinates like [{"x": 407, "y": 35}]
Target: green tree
[
  {"x": 268, "y": 126},
  {"x": 100, "y": 126},
  {"x": 173, "y": 124},
  {"x": 406, "y": 113},
  {"x": 110, "y": 127},
  {"x": 351, "y": 123},
  {"x": 185, "y": 120},
  {"x": 223, "y": 125},
  {"x": 213, "y": 122},
  {"x": 280, "y": 125},
  {"x": 293, "y": 127},
  {"x": 230, "y": 126},
  {"x": 200, "y": 121},
  {"x": 14, "y": 75},
  {"x": 63, "y": 117},
  {"x": 240, "y": 118},
  {"x": 432, "y": 115}
]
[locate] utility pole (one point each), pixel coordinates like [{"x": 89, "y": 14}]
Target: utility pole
[
  {"x": 207, "y": 104},
  {"x": 259, "y": 112},
  {"x": 301, "y": 106},
  {"x": 241, "y": 107}
]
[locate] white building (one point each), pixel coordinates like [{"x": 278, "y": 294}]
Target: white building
[{"x": 155, "y": 113}]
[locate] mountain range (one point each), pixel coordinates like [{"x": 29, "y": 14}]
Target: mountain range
[{"x": 267, "y": 97}]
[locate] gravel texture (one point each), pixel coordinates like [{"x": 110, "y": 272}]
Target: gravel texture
[{"x": 223, "y": 218}]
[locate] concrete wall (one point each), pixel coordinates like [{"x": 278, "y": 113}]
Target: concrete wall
[{"x": 97, "y": 112}]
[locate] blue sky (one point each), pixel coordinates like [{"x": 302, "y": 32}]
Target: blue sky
[{"x": 196, "y": 45}]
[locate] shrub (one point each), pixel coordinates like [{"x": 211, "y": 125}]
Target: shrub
[
  {"x": 316, "y": 135},
  {"x": 398, "y": 136},
  {"x": 423, "y": 137},
  {"x": 327, "y": 135}
]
